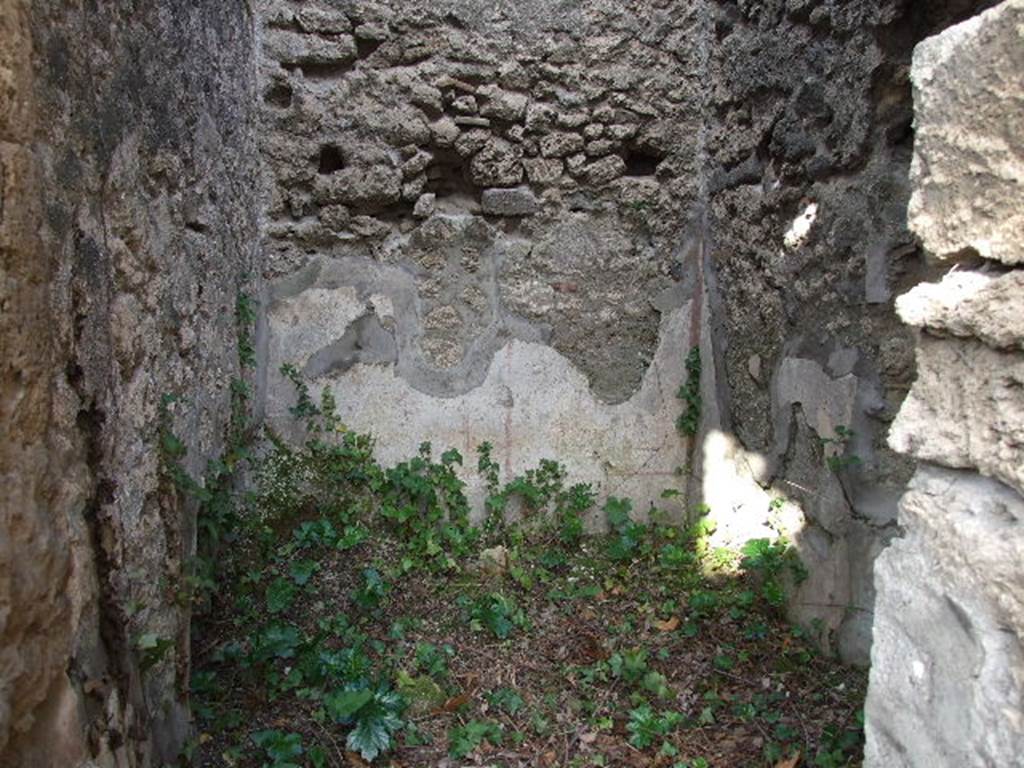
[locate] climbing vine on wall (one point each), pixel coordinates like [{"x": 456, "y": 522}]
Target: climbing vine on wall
[{"x": 689, "y": 420}]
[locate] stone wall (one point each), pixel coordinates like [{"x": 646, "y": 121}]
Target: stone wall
[
  {"x": 511, "y": 222},
  {"x": 809, "y": 141},
  {"x": 127, "y": 229},
  {"x": 480, "y": 225},
  {"x": 947, "y": 675}
]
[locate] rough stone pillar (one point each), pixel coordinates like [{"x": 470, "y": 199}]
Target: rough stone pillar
[{"x": 947, "y": 678}]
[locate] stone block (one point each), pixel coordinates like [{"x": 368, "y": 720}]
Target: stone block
[
  {"x": 375, "y": 185},
  {"x": 497, "y": 164},
  {"x": 968, "y": 153},
  {"x": 296, "y": 49},
  {"x": 970, "y": 304},
  {"x": 518, "y": 201},
  {"x": 948, "y": 662},
  {"x": 966, "y": 409},
  {"x": 607, "y": 169},
  {"x": 561, "y": 144},
  {"x": 543, "y": 170}
]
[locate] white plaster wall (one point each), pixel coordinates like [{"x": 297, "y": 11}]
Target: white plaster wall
[{"x": 533, "y": 404}]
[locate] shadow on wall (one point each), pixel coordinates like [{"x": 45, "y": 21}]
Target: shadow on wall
[{"x": 835, "y": 602}]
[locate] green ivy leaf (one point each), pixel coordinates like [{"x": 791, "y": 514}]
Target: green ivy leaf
[
  {"x": 302, "y": 571},
  {"x": 376, "y": 724},
  {"x": 279, "y": 746},
  {"x": 280, "y": 595},
  {"x": 342, "y": 706}
]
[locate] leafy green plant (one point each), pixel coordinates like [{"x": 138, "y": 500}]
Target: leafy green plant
[
  {"x": 688, "y": 422},
  {"x": 541, "y": 492},
  {"x": 282, "y": 749},
  {"x": 152, "y": 648},
  {"x": 498, "y": 613},
  {"x": 836, "y": 449},
  {"x": 372, "y": 591},
  {"x": 275, "y": 641},
  {"x": 630, "y": 665},
  {"x": 627, "y": 536},
  {"x": 769, "y": 560},
  {"x": 301, "y": 571},
  {"x": 424, "y": 505},
  {"x": 570, "y": 507},
  {"x": 464, "y": 740},
  {"x": 280, "y": 595},
  {"x": 422, "y": 692},
  {"x": 375, "y": 717},
  {"x": 839, "y": 746},
  {"x": 433, "y": 659},
  {"x": 646, "y": 725},
  {"x": 507, "y": 700},
  {"x": 245, "y": 320}
]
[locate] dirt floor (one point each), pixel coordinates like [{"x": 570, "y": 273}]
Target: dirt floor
[{"x": 534, "y": 655}]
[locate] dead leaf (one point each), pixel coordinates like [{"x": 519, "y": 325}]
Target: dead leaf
[
  {"x": 456, "y": 702},
  {"x": 668, "y": 625},
  {"x": 354, "y": 759},
  {"x": 789, "y": 762}
]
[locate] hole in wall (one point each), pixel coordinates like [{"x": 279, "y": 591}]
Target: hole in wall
[
  {"x": 641, "y": 162},
  {"x": 446, "y": 177},
  {"x": 331, "y": 160},
  {"x": 278, "y": 95},
  {"x": 366, "y": 48},
  {"x": 321, "y": 71}
]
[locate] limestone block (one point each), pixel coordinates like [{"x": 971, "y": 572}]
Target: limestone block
[
  {"x": 470, "y": 142},
  {"x": 465, "y": 104},
  {"x": 968, "y": 162},
  {"x": 295, "y": 48},
  {"x": 519, "y": 201},
  {"x": 444, "y": 132},
  {"x": 504, "y": 105},
  {"x": 321, "y": 21},
  {"x": 967, "y": 304},
  {"x": 539, "y": 116},
  {"x": 372, "y": 32},
  {"x": 599, "y": 148},
  {"x": 966, "y": 409},
  {"x": 375, "y": 185},
  {"x": 416, "y": 164},
  {"x": 605, "y": 170},
  {"x": 425, "y": 206},
  {"x": 561, "y": 144},
  {"x": 497, "y": 165},
  {"x": 542, "y": 170},
  {"x": 947, "y": 673}
]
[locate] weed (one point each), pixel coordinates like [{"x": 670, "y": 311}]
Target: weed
[
  {"x": 498, "y": 613},
  {"x": 375, "y": 717},
  {"x": 646, "y": 726},
  {"x": 627, "y": 535},
  {"x": 769, "y": 560},
  {"x": 688, "y": 422},
  {"x": 372, "y": 591},
  {"x": 836, "y": 448},
  {"x": 507, "y": 700},
  {"x": 282, "y": 749},
  {"x": 464, "y": 740}
]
